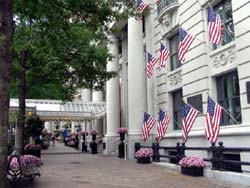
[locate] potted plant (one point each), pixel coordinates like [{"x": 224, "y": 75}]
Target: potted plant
[
  {"x": 192, "y": 166},
  {"x": 29, "y": 165},
  {"x": 144, "y": 155},
  {"x": 93, "y": 144},
  {"x": 121, "y": 146},
  {"x": 33, "y": 149}
]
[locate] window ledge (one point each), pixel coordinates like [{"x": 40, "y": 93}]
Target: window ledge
[
  {"x": 222, "y": 49},
  {"x": 174, "y": 71}
]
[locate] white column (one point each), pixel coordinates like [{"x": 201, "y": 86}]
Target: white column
[
  {"x": 89, "y": 126},
  {"x": 97, "y": 96},
  {"x": 113, "y": 104},
  {"x": 72, "y": 127},
  {"x": 136, "y": 83},
  {"x": 86, "y": 95}
]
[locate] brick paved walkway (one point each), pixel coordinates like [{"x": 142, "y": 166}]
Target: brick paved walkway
[{"x": 97, "y": 171}]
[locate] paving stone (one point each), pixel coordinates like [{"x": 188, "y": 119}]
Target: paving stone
[{"x": 77, "y": 170}]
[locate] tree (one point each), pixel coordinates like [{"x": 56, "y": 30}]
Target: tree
[
  {"x": 64, "y": 37},
  {"x": 6, "y": 31},
  {"x": 56, "y": 42}
]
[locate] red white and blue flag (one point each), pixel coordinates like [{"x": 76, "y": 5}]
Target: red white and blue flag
[
  {"x": 162, "y": 126},
  {"x": 148, "y": 123},
  {"x": 184, "y": 44},
  {"x": 150, "y": 65},
  {"x": 213, "y": 117},
  {"x": 214, "y": 26},
  {"x": 189, "y": 115},
  {"x": 141, "y": 6},
  {"x": 164, "y": 53}
]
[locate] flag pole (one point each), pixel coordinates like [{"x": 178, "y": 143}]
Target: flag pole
[
  {"x": 175, "y": 121},
  {"x": 199, "y": 112},
  {"x": 227, "y": 113}
]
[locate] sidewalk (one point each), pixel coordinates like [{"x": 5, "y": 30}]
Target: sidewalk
[{"x": 97, "y": 171}]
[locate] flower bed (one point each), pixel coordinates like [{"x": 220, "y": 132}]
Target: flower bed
[
  {"x": 122, "y": 130},
  {"x": 71, "y": 143},
  {"x": 192, "y": 166},
  {"x": 29, "y": 164},
  {"x": 93, "y": 132},
  {"x": 32, "y": 149},
  {"x": 144, "y": 155},
  {"x": 192, "y": 161}
]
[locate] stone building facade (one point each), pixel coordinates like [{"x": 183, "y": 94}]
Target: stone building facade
[{"x": 220, "y": 71}]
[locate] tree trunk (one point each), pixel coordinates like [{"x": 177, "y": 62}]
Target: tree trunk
[
  {"x": 21, "y": 110},
  {"x": 6, "y": 42}
]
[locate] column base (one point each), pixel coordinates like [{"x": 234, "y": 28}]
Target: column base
[{"x": 111, "y": 145}]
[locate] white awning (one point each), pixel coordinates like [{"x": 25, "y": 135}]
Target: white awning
[{"x": 56, "y": 110}]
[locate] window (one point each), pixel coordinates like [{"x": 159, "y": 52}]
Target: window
[
  {"x": 177, "y": 109},
  {"x": 173, "y": 46},
  {"x": 229, "y": 97},
  {"x": 224, "y": 9}
]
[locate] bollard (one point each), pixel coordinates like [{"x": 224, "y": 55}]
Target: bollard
[
  {"x": 156, "y": 154},
  {"x": 137, "y": 146}
]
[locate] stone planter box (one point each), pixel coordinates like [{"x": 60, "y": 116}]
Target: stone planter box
[
  {"x": 192, "y": 171},
  {"x": 35, "y": 152},
  {"x": 144, "y": 160}
]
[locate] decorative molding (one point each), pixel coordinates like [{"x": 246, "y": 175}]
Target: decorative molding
[
  {"x": 224, "y": 58},
  {"x": 167, "y": 15},
  {"x": 175, "y": 79}
]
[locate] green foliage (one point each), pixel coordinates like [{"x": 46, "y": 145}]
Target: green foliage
[
  {"x": 34, "y": 127},
  {"x": 65, "y": 41}
]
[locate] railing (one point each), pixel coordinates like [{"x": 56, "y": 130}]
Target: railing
[
  {"x": 217, "y": 160},
  {"x": 164, "y": 4}
]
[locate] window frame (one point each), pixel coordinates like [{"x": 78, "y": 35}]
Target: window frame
[
  {"x": 224, "y": 23},
  {"x": 177, "y": 124},
  {"x": 230, "y": 98},
  {"x": 174, "y": 66}
]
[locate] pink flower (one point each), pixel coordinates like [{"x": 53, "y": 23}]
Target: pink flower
[
  {"x": 26, "y": 161},
  {"x": 122, "y": 130},
  {"x": 32, "y": 147},
  {"x": 192, "y": 161},
  {"x": 93, "y": 132},
  {"x": 71, "y": 143},
  {"x": 144, "y": 152}
]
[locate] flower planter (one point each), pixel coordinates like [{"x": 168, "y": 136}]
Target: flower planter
[
  {"x": 192, "y": 171},
  {"x": 144, "y": 160},
  {"x": 35, "y": 152},
  {"x": 121, "y": 146}
]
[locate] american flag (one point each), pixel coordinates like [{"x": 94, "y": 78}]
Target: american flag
[
  {"x": 214, "y": 26},
  {"x": 212, "y": 124},
  {"x": 162, "y": 126},
  {"x": 164, "y": 53},
  {"x": 189, "y": 115},
  {"x": 148, "y": 123},
  {"x": 184, "y": 43},
  {"x": 150, "y": 65},
  {"x": 141, "y": 6}
]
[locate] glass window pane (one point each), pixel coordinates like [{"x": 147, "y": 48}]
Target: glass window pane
[
  {"x": 224, "y": 10},
  {"x": 229, "y": 97},
  {"x": 173, "y": 44},
  {"x": 177, "y": 109}
]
